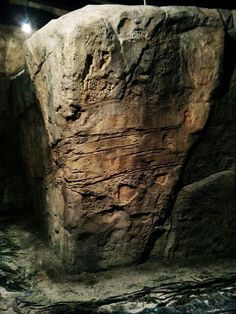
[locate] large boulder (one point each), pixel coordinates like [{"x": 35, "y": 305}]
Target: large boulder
[{"x": 124, "y": 94}]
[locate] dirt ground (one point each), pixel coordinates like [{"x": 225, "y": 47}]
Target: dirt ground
[{"x": 32, "y": 280}]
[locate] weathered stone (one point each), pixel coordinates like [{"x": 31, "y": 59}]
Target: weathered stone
[
  {"x": 216, "y": 149},
  {"x": 11, "y": 50},
  {"x": 207, "y": 184},
  {"x": 201, "y": 222},
  {"x": 124, "y": 93}
]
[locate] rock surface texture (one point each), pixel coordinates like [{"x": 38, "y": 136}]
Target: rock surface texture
[
  {"x": 125, "y": 95},
  {"x": 12, "y": 59}
]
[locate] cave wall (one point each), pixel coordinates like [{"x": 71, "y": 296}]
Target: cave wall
[
  {"x": 32, "y": 141},
  {"x": 12, "y": 58},
  {"x": 133, "y": 103},
  {"x": 202, "y": 221},
  {"x": 120, "y": 133},
  {"x": 12, "y": 185}
]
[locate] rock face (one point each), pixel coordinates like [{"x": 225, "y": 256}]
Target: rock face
[
  {"x": 31, "y": 140},
  {"x": 11, "y": 50},
  {"x": 203, "y": 219},
  {"x": 122, "y": 114},
  {"x": 124, "y": 93},
  {"x": 200, "y": 210}
]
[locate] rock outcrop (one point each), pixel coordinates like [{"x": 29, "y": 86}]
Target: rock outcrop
[{"x": 124, "y": 92}]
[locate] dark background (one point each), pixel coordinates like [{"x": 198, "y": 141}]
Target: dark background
[{"x": 14, "y": 14}]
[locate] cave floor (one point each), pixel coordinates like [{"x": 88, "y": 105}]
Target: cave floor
[{"x": 32, "y": 281}]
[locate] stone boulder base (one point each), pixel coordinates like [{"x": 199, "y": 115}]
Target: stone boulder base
[{"x": 202, "y": 221}]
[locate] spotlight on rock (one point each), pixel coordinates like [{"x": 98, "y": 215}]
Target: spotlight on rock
[{"x": 26, "y": 27}]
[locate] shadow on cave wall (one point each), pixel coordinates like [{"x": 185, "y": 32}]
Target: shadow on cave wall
[
  {"x": 23, "y": 156},
  {"x": 216, "y": 149},
  {"x": 202, "y": 214},
  {"x": 13, "y": 198}
]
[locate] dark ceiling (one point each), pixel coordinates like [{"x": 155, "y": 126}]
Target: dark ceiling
[
  {"x": 39, "y": 12},
  {"x": 75, "y": 4}
]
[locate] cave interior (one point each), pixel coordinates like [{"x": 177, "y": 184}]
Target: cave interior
[{"x": 118, "y": 159}]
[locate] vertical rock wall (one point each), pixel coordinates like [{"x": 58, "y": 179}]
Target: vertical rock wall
[
  {"x": 32, "y": 143},
  {"x": 125, "y": 93},
  {"x": 203, "y": 220},
  {"x": 12, "y": 185},
  {"x": 11, "y": 50}
]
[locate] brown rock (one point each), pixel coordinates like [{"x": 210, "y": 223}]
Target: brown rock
[
  {"x": 202, "y": 221},
  {"x": 126, "y": 194},
  {"x": 12, "y": 59},
  {"x": 124, "y": 92}
]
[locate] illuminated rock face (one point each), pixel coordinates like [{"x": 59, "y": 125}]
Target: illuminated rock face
[
  {"x": 124, "y": 93},
  {"x": 11, "y": 50}
]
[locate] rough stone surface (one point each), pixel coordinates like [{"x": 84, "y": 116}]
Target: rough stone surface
[
  {"x": 11, "y": 50},
  {"x": 32, "y": 281},
  {"x": 201, "y": 220},
  {"x": 124, "y": 94},
  {"x": 213, "y": 157}
]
